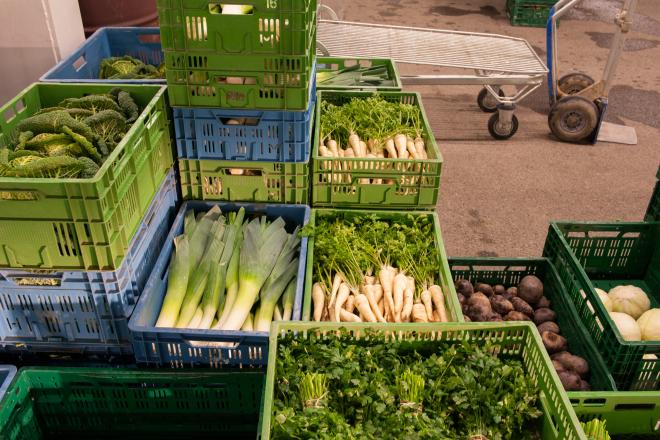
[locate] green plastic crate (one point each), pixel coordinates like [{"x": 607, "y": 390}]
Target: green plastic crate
[
  {"x": 518, "y": 340},
  {"x": 261, "y": 182},
  {"x": 604, "y": 255},
  {"x": 337, "y": 65},
  {"x": 534, "y": 13},
  {"x": 653, "y": 211},
  {"x": 275, "y": 27},
  {"x": 272, "y": 82},
  {"x": 509, "y": 272},
  {"x": 83, "y": 223},
  {"x": 414, "y": 183},
  {"x": 444, "y": 275},
  {"x": 629, "y": 414},
  {"x": 130, "y": 404}
]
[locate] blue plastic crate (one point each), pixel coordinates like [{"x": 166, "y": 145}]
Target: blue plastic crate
[
  {"x": 181, "y": 348},
  {"x": 274, "y": 136},
  {"x": 7, "y": 373},
  {"x": 43, "y": 310},
  {"x": 83, "y": 65}
]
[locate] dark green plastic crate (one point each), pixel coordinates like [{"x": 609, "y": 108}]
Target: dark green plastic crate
[
  {"x": 533, "y": 13},
  {"x": 509, "y": 272},
  {"x": 516, "y": 339},
  {"x": 83, "y": 223},
  {"x": 629, "y": 414},
  {"x": 653, "y": 211},
  {"x": 336, "y": 65},
  {"x": 275, "y": 27},
  {"x": 605, "y": 255},
  {"x": 109, "y": 403},
  {"x": 414, "y": 183},
  {"x": 275, "y": 82},
  {"x": 444, "y": 279},
  {"x": 271, "y": 182}
]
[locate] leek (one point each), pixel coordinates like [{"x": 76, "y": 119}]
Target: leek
[
  {"x": 189, "y": 224},
  {"x": 200, "y": 237},
  {"x": 262, "y": 244},
  {"x": 177, "y": 281},
  {"x": 288, "y": 298},
  {"x": 198, "y": 281},
  {"x": 196, "y": 319},
  {"x": 271, "y": 294},
  {"x": 231, "y": 285},
  {"x": 216, "y": 287},
  {"x": 248, "y": 324}
]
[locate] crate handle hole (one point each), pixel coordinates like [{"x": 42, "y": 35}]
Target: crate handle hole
[
  {"x": 149, "y": 38},
  {"x": 251, "y": 122},
  {"x": 230, "y": 9},
  {"x": 236, "y": 80},
  {"x": 634, "y": 407},
  {"x": 79, "y": 63},
  {"x": 247, "y": 172}
]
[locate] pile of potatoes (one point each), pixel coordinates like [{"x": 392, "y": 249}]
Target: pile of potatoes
[{"x": 485, "y": 303}]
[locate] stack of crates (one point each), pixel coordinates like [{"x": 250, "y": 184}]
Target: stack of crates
[
  {"x": 534, "y": 13},
  {"x": 241, "y": 82},
  {"x": 76, "y": 252}
]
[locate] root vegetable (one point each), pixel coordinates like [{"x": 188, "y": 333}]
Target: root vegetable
[
  {"x": 499, "y": 289},
  {"x": 401, "y": 144},
  {"x": 543, "y": 303},
  {"x": 362, "y": 304},
  {"x": 410, "y": 145},
  {"x": 354, "y": 143},
  {"x": 420, "y": 148},
  {"x": 386, "y": 277},
  {"x": 548, "y": 326},
  {"x": 553, "y": 342},
  {"x": 342, "y": 296},
  {"x": 381, "y": 307},
  {"x": 464, "y": 287},
  {"x": 501, "y": 305},
  {"x": 391, "y": 149},
  {"x": 373, "y": 303},
  {"x": 318, "y": 298},
  {"x": 408, "y": 298},
  {"x": 516, "y": 316},
  {"x": 364, "y": 149},
  {"x": 400, "y": 281},
  {"x": 370, "y": 280},
  {"x": 438, "y": 298},
  {"x": 530, "y": 289},
  {"x": 378, "y": 291},
  {"x": 349, "y": 305},
  {"x": 419, "y": 313},
  {"x": 544, "y": 315},
  {"x": 484, "y": 288},
  {"x": 513, "y": 291},
  {"x": 332, "y": 146},
  {"x": 346, "y": 316},
  {"x": 571, "y": 381},
  {"x": 522, "y": 306},
  {"x": 336, "y": 282},
  {"x": 428, "y": 303}
]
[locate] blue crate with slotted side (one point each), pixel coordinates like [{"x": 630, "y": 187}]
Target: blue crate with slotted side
[
  {"x": 84, "y": 63},
  {"x": 254, "y": 135},
  {"x": 48, "y": 310},
  {"x": 179, "y": 348}
]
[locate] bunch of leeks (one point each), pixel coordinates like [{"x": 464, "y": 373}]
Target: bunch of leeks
[{"x": 228, "y": 273}]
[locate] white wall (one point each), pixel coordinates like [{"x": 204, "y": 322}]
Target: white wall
[{"x": 34, "y": 36}]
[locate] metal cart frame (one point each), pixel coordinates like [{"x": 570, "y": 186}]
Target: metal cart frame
[{"x": 495, "y": 60}]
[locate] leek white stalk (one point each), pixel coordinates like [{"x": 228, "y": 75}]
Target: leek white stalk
[
  {"x": 261, "y": 246},
  {"x": 177, "y": 282},
  {"x": 271, "y": 295},
  {"x": 288, "y": 299}
]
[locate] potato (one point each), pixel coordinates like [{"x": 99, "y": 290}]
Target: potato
[
  {"x": 559, "y": 367},
  {"x": 464, "y": 287},
  {"x": 516, "y": 316},
  {"x": 544, "y": 315},
  {"x": 553, "y": 342},
  {"x": 513, "y": 291},
  {"x": 530, "y": 289},
  {"x": 501, "y": 305},
  {"x": 548, "y": 326},
  {"x": 461, "y": 298},
  {"x": 574, "y": 363},
  {"x": 584, "y": 385},
  {"x": 543, "y": 302},
  {"x": 484, "y": 288},
  {"x": 522, "y": 306},
  {"x": 499, "y": 289},
  {"x": 570, "y": 381}
]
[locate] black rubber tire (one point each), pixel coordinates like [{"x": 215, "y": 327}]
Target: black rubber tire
[
  {"x": 573, "y": 119},
  {"x": 482, "y": 102},
  {"x": 498, "y": 132},
  {"x": 573, "y": 83}
]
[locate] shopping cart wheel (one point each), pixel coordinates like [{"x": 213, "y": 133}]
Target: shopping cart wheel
[
  {"x": 502, "y": 131},
  {"x": 573, "y": 83},
  {"x": 486, "y": 102},
  {"x": 573, "y": 119}
]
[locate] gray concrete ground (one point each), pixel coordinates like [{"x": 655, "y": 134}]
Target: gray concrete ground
[{"x": 498, "y": 197}]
